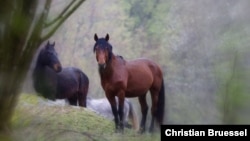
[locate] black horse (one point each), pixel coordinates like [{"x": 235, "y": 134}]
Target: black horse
[{"x": 54, "y": 82}]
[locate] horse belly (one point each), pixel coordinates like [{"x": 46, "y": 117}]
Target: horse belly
[
  {"x": 67, "y": 89},
  {"x": 139, "y": 83},
  {"x": 67, "y": 85}
]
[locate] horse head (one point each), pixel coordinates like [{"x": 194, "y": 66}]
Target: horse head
[
  {"x": 48, "y": 57},
  {"x": 103, "y": 50}
]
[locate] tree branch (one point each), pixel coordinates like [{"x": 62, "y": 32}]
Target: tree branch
[
  {"x": 35, "y": 35},
  {"x": 34, "y": 39},
  {"x": 62, "y": 19},
  {"x": 60, "y": 15}
]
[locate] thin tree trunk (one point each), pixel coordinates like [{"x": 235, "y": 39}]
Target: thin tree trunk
[{"x": 21, "y": 27}]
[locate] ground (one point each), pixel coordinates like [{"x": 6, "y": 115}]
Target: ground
[{"x": 37, "y": 119}]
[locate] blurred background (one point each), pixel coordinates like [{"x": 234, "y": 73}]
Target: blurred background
[{"x": 202, "y": 47}]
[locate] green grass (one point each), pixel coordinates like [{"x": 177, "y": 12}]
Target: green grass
[{"x": 34, "y": 120}]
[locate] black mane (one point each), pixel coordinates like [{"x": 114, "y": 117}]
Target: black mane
[{"x": 103, "y": 44}]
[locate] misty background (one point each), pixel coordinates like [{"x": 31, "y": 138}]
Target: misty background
[{"x": 202, "y": 47}]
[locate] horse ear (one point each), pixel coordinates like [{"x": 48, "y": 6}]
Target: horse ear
[
  {"x": 95, "y": 37},
  {"x": 107, "y": 37},
  {"x": 54, "y": 43},
  {"x": 47, "y": 45}
]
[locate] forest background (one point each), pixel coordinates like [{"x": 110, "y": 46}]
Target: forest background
[{"x": 201, "y": 46}]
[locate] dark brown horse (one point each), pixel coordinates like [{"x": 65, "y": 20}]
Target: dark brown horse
[
  {"x": 54, "y": 82},
  {"x": 135, "y": 78}
]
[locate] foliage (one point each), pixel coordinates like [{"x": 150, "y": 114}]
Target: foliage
[
  {"x": 233, "y": 91},
  {"x": 190, "y": 40}
]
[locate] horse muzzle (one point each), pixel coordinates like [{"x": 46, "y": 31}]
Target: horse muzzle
[
  {"x": 103, "y": 66},
  {"x": 57, "y": 67}
]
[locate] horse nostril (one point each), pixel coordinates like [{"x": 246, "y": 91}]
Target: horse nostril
[
  {"x": 57, "y": 67},
  {"x": 102, "y": 65}
]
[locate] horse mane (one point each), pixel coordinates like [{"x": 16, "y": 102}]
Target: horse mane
[{"x": 121, "y": 58}]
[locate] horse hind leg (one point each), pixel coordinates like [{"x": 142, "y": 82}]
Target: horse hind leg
[
  {"x": 131, "y": 115},
  {"x": 83, "y": 90},
  {"x": 73, "y": 100},
  {"x": 82, "y": 99},
  {"x": 154, "y": 97},
  {"x": 127, "y": 125},
  {"x": 144, "y": 111},
  {"x": 82, "y": 96},
  {"x": 126, "y": 114}
]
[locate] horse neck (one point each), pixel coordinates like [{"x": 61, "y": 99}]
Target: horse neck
[
  {"x": 39, "y": 69},
  {"x": 109, "y": 69},
  {"x": 42, "y": 71}
]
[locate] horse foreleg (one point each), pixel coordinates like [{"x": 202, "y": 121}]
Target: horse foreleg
[
  {"x": 120, "y": 109},
  {"x": 144, "y": 110},
  {"x": 113, "y": 104}
]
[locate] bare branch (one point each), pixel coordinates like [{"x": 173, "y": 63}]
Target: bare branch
[
  {"x": 60, "y": 15},
  {"x": 61, "y": 21},
  {"x": 34, "y": 39}
]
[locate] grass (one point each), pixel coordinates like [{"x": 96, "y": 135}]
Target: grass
[{"x": 35, "y": 120}]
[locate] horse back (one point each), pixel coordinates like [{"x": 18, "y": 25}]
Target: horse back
[
  {"x": 142, "y": 75},
  {"x": 69, "y": 81}
]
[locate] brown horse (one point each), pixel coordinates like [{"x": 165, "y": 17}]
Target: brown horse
[{"x": 135, "y": 78}]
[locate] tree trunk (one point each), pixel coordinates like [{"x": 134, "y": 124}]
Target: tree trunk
[{"x": 21, "y": 25}]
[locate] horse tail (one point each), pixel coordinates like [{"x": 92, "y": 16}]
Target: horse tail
[
  {"x": 133, "y": 116},
  {"x": 161, "y": 104},
  {"x": 83, "y": 86}
]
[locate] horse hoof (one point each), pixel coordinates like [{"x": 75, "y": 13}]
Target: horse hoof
[
  {"x": 119, "y": 130},
  {"x": 141, "y": 130},
  {"x": 151, "y": 130}
]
